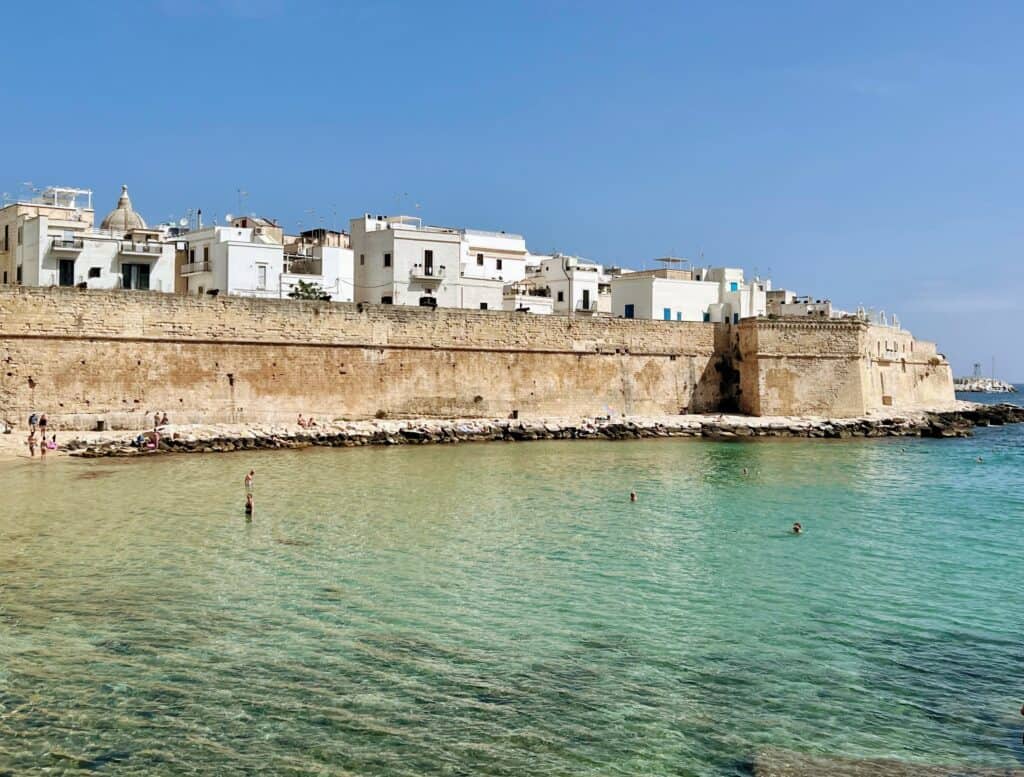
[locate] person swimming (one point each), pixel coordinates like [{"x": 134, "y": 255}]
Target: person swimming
[
  {"x": 797, "y": 528},
  {"x": 632, "y": 496}
]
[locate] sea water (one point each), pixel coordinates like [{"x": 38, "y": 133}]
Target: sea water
[{"x": 504, "y": 609}]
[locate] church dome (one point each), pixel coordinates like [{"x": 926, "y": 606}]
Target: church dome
[{"x": 123, "y": 218}]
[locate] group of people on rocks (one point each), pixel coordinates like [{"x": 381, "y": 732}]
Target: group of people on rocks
[
  {"x": 40, "y": 435},
  {"x": 306, "y": 423}
]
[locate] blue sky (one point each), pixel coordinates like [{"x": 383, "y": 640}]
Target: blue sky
[{"x": 869, "y": 152}]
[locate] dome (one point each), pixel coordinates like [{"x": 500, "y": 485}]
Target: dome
[{"x": 123, "y": 218}]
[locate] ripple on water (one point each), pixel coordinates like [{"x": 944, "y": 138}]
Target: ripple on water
[{"x": 505, "y": 610}]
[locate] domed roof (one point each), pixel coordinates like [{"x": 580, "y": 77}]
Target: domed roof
[{"x": 123, "y": 217}]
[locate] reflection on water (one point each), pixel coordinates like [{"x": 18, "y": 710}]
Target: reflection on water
[{"x": 504, "y": 609}]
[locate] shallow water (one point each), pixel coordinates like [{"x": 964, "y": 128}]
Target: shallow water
[{"x": 504, "y": 609}]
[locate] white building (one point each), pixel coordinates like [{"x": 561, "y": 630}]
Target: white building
[
  {"x": 401, "y": 261},
  {"x": 56, "y": 245},
  {"x": 702, "y": 294},
  {"x": 782, "y": 302},
  {"x": 241, "y": 261},
  {"x": 574, "y": 285}
]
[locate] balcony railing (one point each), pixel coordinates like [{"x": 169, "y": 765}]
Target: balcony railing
[
  {"x": 427, "y": 272},
  {"x": 67, "y": 244},
  {"x": 128, "y": 247},
  {"x": 195, "y": 267}
]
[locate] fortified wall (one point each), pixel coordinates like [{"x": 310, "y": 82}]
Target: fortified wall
[
  {"x": 84, "y": 356},
  {"x": 838, "y": 368}
]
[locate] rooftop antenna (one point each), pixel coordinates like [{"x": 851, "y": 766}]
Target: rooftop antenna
[
  {"x": 183, "y": 222},
  {"x": 242, "y": 195}
]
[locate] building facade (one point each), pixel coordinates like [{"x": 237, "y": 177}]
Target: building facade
[
  {"x": 400, "y": 261},
  {"x": 718, "y": 295},
  {"x": 52, "y": 242}
]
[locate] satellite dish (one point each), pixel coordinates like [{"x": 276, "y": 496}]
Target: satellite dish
[
  {"x": 228, "y": 218},
  {"x": 182, "y": 222}
]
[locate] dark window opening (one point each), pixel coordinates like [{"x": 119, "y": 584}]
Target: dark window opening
[
  {"x": 480, "y": 260},
  {"x": 66, "y": 272},
  {"x": 428, "y": 262},
  {"x": 387, "y": 260},
  {"x": 561, "y": 296},
  {"x": 497, "y": 263},
  {"x": 483, "y": 306},
  {"x": 362, "y": 258},
  {"x": 206, "y": 253},
  {"x": 94, "y": 272},
  {"x": 629, "y": 312},
  {"x": 135, "y": 276},
  {"x": 386, "y": 300}
]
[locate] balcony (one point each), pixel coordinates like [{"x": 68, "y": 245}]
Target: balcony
[
  {"x": 193, "y": 268},
  {"x": 141, "y": 249},
  {"x": 427, "y": 273},
  {"x": 67, "y": 244}
]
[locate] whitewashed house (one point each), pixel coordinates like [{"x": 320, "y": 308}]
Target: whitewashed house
[
  {"x": 701, "y": 294},
  {"x": 400, "y": 261},
  {"x": 251, "y": 262},
  {"x": 55, "y": 244}
]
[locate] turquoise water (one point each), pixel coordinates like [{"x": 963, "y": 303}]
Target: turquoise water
[{"x": 504, "y": 609}]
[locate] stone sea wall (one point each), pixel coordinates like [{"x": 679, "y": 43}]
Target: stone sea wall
[
  {"x": 837, "y": 368},
  {"x": 87, "y": 355},
  {"x": 117, "y": 357}
]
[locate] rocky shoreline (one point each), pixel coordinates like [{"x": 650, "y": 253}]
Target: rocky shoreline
[{"x": 223, "y": 438}]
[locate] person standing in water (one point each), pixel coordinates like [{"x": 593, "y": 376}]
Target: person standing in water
[
  {"x": 32, "y": 443},
  {"x": 249, "y": 479}
]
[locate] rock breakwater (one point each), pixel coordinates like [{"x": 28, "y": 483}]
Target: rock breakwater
[{"x": 224, "y": 438}]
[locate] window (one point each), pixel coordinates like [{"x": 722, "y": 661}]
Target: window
[
  {"x": 497, "y": 263},
  {"x": 387, "y": 260},
  {"x": 362, "y": 259},
  {"x": 5, "y": 276},
  {"x": 94, "y": 272},
  {"x": 19, "y": 274},
  {"x": 66, "y": 272},
  {"x": 479, "y": 260},
  {"x": 135, "y": 276},
  {"x": 21, "y": 234},
  {"x": 628, "y": 312},
  {"x": 561, "y": 296},
  {"x": 667, "y": 314},
  {"x": 483, "y": 306},
  {"x": 192, "y": 256},
  {"x": 679, "y": 316},
  {"x": 707, "y": 317},
  {"x": 7, "y": 238},
  {"x": 261, "y": 276},
  {"x": 201, "y": 290},
  {"x": 586, "y": 299},
  {"x": 386, "y": 300},
  {"x": 734, "y": 286},
  {"x": 428, "y": 262},
  {"x": 206, "y": 253},
  {"x": 735, "y": 318}
]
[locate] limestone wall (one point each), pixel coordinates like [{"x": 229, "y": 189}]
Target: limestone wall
[
  {"x": 79, "y": 355},
  {"x": 839, "y": 368},
  {"x": 84, "y": 355}
]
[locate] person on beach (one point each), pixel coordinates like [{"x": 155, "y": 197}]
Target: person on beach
[
  {"x": 31, "y": 442},
  {"x": 42, "y": 425},
  {"x": 301, "y": 421},
  {"x": 156, "y": 419},
  {"x": 52, "y": 444},
  {"x": 164, "y": 420},
  {"x": 42, "y": 447},
  {"x": 797, "y": 528},
  {"x": 33, "y": 421}
]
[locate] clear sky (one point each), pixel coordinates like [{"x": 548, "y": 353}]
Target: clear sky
[{"x": 868, "y": 152}]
